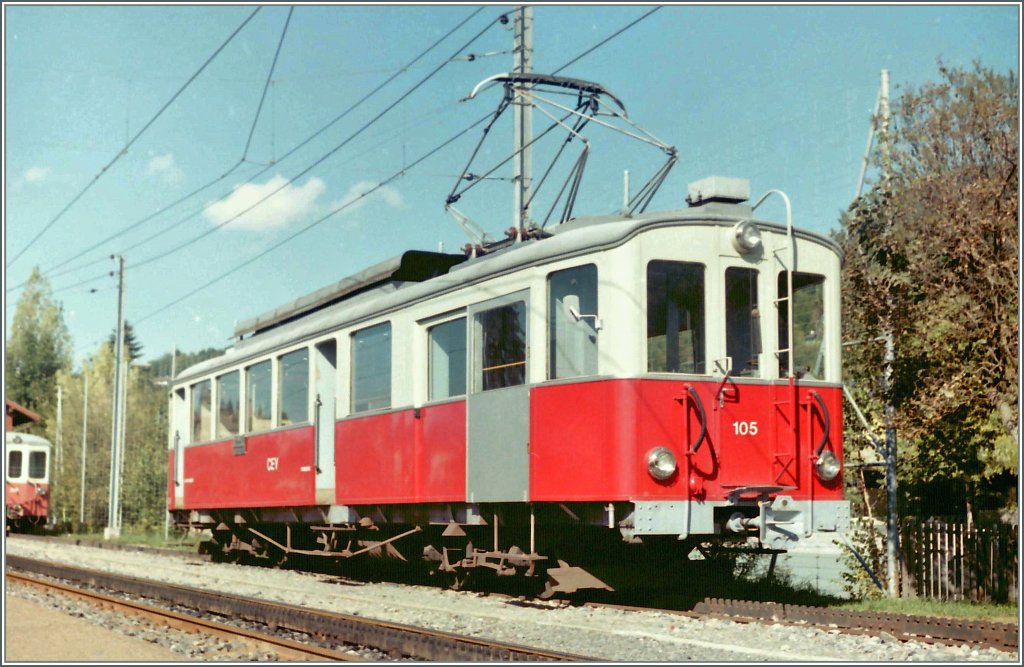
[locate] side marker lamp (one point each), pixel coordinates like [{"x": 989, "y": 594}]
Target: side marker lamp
[
  {"x": 827, "y": 466},
  {"x": 661, "y": 463},
  {"x": 746, "y": 237}
]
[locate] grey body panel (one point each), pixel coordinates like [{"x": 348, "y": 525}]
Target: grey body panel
[
  {"x": 498, "y": 448},
  {"x": 497, "y": 421}
]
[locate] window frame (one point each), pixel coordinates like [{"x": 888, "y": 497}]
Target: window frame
[
  {"x": 204, "y": 435},
  {"x": 551, "y": 370},
  {"x": 218, "y": 383},
  {"x": 10, "y": 463},
  {"x": 279, "y": 388},
  {"x": 32, "y": 456},
  {"x": 250, "y": 395},
  {"x": 429, "y": 329},
  {"x": 354, "y": 377},
  {"x": 700, "y": 345}
]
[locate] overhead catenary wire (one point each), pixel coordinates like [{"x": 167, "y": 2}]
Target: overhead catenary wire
[
  {"x": 398, "y": 174},
  {"x": 606, "y": 40},
  {"x": 321, "y": 159},
  {"x": 288, "y": 154},
  {"x": 231, "y": 170},
  {"x": 124, "y": 151}
]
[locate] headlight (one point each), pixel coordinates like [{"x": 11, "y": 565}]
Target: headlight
[
  {"x": 827, "y": 466},
  {"x": 746, "y": 237},
  {"x": 661, "y": 463}
]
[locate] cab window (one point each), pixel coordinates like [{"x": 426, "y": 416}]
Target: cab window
[
  {"x": 293, "y": 399},
  {"x": 258, "y": 415},
  {"x": 202, "y": 419},
  {"x": 37, "y": 465},
  {"x": 447, "y": 359},
  {"x": 371, "y": 368},
  {"x": 808, "y": 325},
  {"x": 742, "y": 321},
  {"x": 227, "y": 405},
  {"x": 675, "y": 317},
  {"x": 14, "y": 465},
  {"x": 572, "y": 322}
]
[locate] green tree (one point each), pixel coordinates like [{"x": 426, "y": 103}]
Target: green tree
[
  {"x": 131, "y": 343},
  {"x": 38, "y": 348},
  {"x": 931, "y": 254}
]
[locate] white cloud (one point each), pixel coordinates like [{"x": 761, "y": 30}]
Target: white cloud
[
  {"x": 354, "y": 199},
  {"x": 36, "y": 174},
  {"x": 163, "y": 168},
  {"x": 290, "y": 204}
]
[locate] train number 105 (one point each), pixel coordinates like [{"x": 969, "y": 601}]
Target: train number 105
[{"x": 745, "y": 428}]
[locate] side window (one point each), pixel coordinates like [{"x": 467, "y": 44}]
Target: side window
[
  {"x": 14, "y": 465},
  {"x": 572, "y": 322},
  {"x": 293, "y": 393},
  {"x": 371, "y": 368},
  {"x": 257, "y": 397},
  {"x": 202, "y": 420},
  {"x": 501, "y": 346},
  {"x": 742, "y": 321},
  {"x": 675, "y": 317},
  {"x": 37, "y": 465},
  {"x": 228, "y": 387},
  {"x": 447, "y": 356},
  {"x": 808, "y": 325}
]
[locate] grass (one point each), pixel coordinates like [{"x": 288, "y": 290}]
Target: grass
[
  {"x": 155, "y": 538},
  {"x": 989, "y": 611}
]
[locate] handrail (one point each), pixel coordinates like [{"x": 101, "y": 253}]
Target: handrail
[
  {"x": 703, "y": 420},
  {"x": 828, "y": 422},
  {"x": 316, "y": 432},
  {"x": 177, "y": 439}
]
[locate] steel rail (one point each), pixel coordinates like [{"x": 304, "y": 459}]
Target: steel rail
[
  {"x": 392, "y": 638},
  {"x": 284, "y": 648}
]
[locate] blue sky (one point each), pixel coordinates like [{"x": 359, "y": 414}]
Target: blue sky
[{"x": 781, "y": 95}]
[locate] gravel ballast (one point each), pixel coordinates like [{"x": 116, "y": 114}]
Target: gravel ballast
[{"x": 604, "y": 634}]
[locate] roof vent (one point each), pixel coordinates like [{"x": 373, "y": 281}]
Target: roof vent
[{"x": 718, "y": 189}]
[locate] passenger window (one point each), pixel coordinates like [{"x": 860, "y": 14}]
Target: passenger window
[
  {"x": 37, "y": 465},
  {"x": 742, "y": 321},
  {"x": 258, "y": 415},
  {"x": 202, "y": 420},
  {"x": 228, "y": 404},
  {"x": 14, "y": 465},
  {"x": 447, "y": 358},
  {"x": 502, "y": 346},
  {"x": 371, "y": 368},
  {"x": 808, "y": 325},
  {"x": 293, "y": 396},
  {"x": 572, "y": 322},
  {"x": 675, "y": 317}
]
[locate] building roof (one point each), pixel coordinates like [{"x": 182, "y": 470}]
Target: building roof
[{"x": 17, "y": 414}]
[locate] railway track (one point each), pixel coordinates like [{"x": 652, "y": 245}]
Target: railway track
[
  {"x": 904, "y": 627},
  {"x": 927, "y": 629},
  {"x": 395, "y": 640}
]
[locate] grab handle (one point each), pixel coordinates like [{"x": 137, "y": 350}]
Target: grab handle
[
  {"x": 703, "y": 419},
  {"x": 825, "y": 417}
]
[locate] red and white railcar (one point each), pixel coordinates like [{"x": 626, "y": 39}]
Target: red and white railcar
[
  {"x": 26, "y": 480},
  {"x": 667, "y": 378}
]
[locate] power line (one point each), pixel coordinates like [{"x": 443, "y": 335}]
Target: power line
[
  {"x": 323, "y": 158},
  {"x": 313, "y": 136},
  {"x": 606, "y": 40},
  {"x": 124, "y": 151},
  {"x": 398, "y": 174},
  {"x": 266, "y": 85}
]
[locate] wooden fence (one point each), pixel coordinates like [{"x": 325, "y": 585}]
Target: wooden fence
[{"x": 948, "y": 561}]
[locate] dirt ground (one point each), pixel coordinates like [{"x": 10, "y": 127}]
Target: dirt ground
[{"x": 34, "y": 633}]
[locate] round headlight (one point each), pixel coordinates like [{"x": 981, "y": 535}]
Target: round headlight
[
  {"x": 661, "y": 463},
  {"x": 827, "y": 466},
  {"x": 746, "y": 237}
]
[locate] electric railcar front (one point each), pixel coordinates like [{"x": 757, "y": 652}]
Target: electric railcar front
[
  {"x": 638, "y": 376},
  {"x": 26, "y": 480}
]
